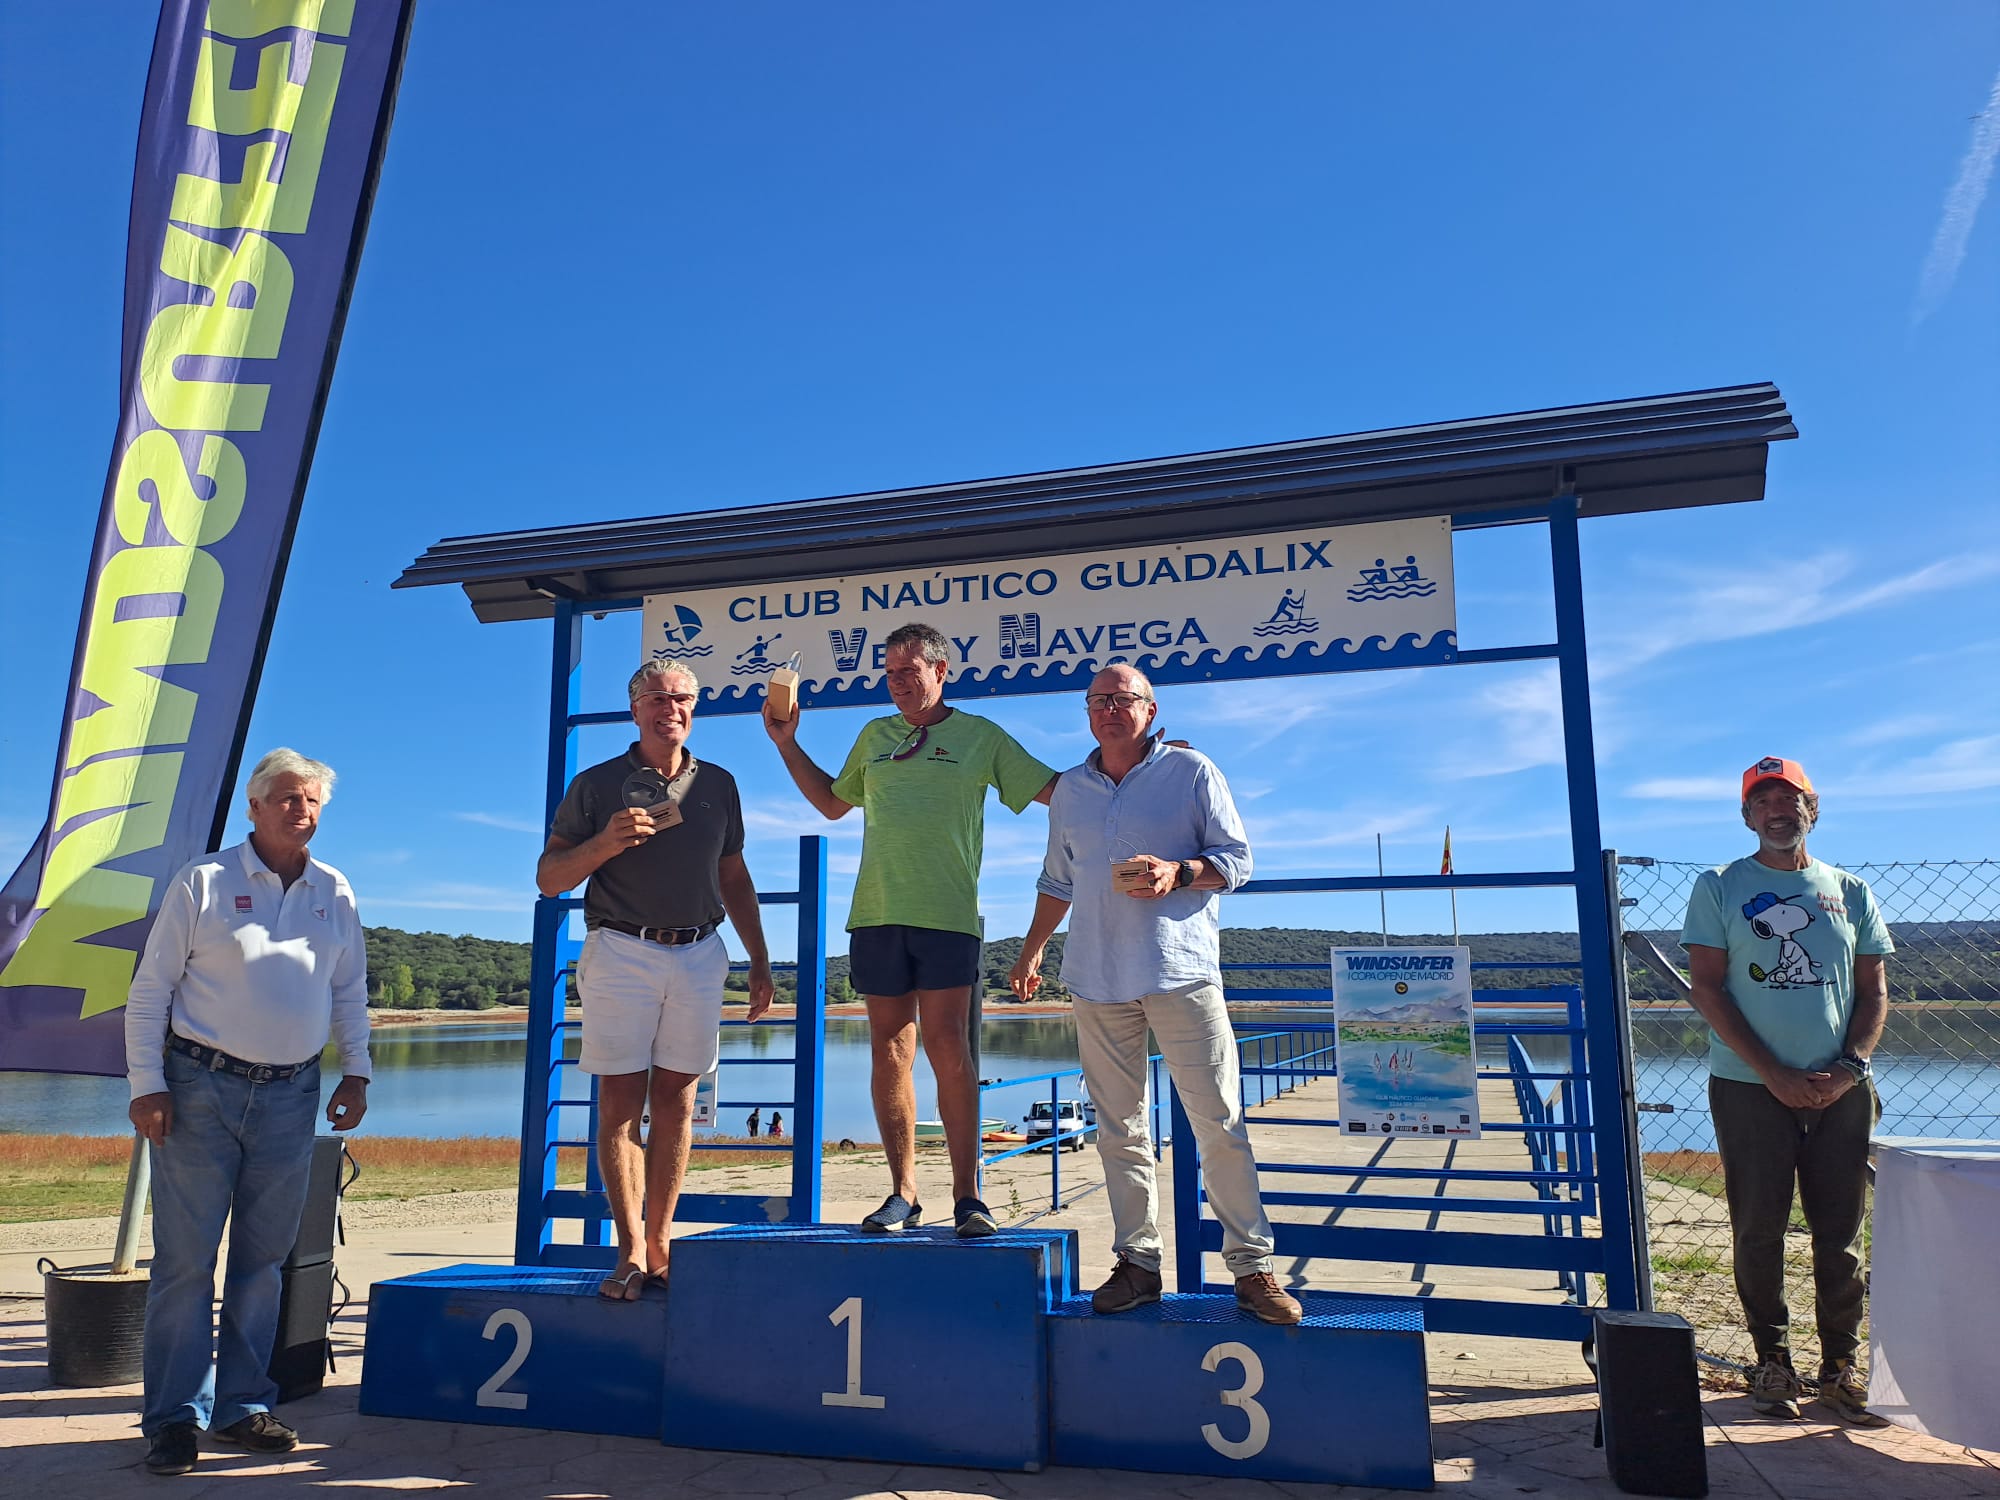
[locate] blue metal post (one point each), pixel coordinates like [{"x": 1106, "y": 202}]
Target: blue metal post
[
  {"x": 1593, "y": 918},
  {"x": 809, "y": 1036},
  {"x": 1055, "y": 1143},
  {"x": 1187, "y": 1198},
  {"x": 538, "y": 1162},
  {"x": 538, "y": 1157}
]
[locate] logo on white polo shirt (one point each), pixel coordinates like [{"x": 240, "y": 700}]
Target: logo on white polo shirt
[
  {"x": 320, "y": 912},
  {"x": 244, "y": 903}
]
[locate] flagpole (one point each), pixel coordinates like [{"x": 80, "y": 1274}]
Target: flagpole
[
  {"x": 1454, "y": 889},
  {"x": 1380, "y": 893}
]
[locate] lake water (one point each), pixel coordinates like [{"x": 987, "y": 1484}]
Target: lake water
[{"x": 466, "y": 1080}]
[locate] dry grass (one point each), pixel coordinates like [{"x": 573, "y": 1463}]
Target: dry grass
[
  {"x": 46, "y": 1177},
  {"x": 1699, "y": 1171}
]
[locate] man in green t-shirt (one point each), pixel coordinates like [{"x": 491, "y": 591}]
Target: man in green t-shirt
[
  {"x": 919, "y": 777},
  {"x": 1786, "y": 959}
]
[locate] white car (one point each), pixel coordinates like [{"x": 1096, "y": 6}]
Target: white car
[{"x": 1061, "y": 1117}]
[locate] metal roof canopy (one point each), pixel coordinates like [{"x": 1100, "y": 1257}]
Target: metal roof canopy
[{"x": 1657, "y": 453}]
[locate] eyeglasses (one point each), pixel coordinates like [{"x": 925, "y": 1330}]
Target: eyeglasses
[
  {"x": 911, "y": 743},
  {"x": 660, "y": 700},
  {"x": 1098, "y": 702}
]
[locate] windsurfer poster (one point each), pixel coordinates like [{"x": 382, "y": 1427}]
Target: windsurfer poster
[
  {"x": 1330, "y": 599},
  {"x": 1403, "y": 1023}
]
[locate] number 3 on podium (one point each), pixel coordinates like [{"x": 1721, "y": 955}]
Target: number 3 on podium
[
  {"x": 1252, "y": 1442},
  {"x": 849, "y": 1312}
]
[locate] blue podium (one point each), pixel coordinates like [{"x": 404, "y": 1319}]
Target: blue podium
[
  {"x": 519, "y": 1346},
  {"x": 1190, "y": 1385},
  {"x": 819, "y": 1341}
]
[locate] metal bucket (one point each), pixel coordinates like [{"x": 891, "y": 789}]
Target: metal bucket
[{"x": 97, "y": 1324}]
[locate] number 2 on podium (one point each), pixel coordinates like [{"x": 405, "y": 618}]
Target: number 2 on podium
[{"x": 849, "y": 1312}]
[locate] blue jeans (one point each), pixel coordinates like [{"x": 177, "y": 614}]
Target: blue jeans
[{"x": 236, "y": 1151}]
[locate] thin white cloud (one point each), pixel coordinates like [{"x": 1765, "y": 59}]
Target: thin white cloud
[
  {"x": 1336, "y": 827},
  {"x": 1967, "y": 765},
  {"x": 1514, "y": 724},
  {"x": 1961, "y": 209},
  {"x": 454, "y": 896},
  {"x": 1686, "y": 789},
  {"x": 795, "y": 819},
  {"x": 500, "y": 821},
  {"x": 1710, "y": 606},
  {"x": 1904, "y": 727}
]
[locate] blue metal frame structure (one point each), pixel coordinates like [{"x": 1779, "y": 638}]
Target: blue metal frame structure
[
  {"x": 1546, "y": 467},
  {"x": 540, "y": 1203},
  {"x": 1594, "y": 1124}
]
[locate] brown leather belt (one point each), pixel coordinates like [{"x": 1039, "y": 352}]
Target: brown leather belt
[
  {"x": 670, "y": 937},
  {"x": 217, "y": 1061}
]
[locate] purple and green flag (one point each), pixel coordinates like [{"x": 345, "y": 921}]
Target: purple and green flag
[{"x": 259, "y": 146}]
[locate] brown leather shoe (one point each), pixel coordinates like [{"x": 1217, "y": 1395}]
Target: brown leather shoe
[
  {"x": 1259, "y": 1295},
  {"x": 1127, "y": 1287}
]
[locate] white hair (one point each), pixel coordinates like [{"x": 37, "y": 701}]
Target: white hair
[
  {"x": 661, "y": 669},
  {"x": 283, "y": 762}
]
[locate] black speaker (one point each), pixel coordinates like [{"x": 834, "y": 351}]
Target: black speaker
[
  {"x": 1649, "y": 1404},
  {"x": 319, "y": 1225},
  {"x": 301, "y": 1352}
]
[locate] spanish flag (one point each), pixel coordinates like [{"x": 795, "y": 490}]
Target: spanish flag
[{"x": 1445, "y": 868}]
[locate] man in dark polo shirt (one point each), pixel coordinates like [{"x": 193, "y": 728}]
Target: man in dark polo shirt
[{"x": 659, "y": 835}]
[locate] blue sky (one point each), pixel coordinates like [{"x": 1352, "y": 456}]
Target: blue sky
[{"x": 688, "y": 257}]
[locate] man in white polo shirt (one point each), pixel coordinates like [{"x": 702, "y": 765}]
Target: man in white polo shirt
[{"x": 257, "y": 954}]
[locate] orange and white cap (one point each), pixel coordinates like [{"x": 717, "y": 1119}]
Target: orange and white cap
[{"x": 1774, "y": 768}]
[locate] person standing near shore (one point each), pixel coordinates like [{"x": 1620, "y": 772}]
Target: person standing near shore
[
  {"x": 659, "y": 836},
  {"x": 1787, "y": 961},
  {"x": 256, "y": 957},
  {"x": 920, "y": 777}
]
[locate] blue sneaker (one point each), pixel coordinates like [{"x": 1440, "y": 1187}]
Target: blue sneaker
[
  {"x": 972, "y": 1219},
  {"x": 896, "y": 1214}
]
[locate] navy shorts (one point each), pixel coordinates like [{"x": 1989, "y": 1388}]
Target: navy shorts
[{"x": 894, "y": 960}]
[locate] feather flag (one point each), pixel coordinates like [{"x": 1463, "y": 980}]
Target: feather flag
[{"x": 1445, "y": 868}]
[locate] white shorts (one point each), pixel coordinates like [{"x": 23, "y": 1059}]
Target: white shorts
[{"x": 647, "y": 1005}]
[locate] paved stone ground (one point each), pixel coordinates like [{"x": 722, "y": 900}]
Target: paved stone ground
[{"x": 1510, "y": 1417}]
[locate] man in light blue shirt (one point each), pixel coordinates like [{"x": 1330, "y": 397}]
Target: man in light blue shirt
[{"x": 1148, "y": 954}]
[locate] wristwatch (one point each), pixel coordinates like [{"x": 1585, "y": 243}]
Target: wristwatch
[
  {"x": 1856, "y": 1064},
  {"x": 1186, "y": 877}
]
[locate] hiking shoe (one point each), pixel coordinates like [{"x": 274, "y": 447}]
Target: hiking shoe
[
  {"x": 1774, "y": 1390},
  {"x": 972, "y": 1219},
  {"x": 897, "y": 1213},
  {"x": 1128, "y": 1286},
  {"x": 1843, "y": 1390},
  {"x": 175, "y": 1448},
  {"x": 260, "y": 1432},
  {"x": 1259, "y": 1295}
]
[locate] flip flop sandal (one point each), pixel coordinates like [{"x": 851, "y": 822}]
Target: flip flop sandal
[
  {"x": 624, "y": 1285},
  {"x": 657, "y": 1278}
]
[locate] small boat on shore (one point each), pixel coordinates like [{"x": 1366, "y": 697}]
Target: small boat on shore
[{"x": 931, "y": 1132}]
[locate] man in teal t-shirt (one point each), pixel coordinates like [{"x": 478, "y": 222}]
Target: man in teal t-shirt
[
  {"x": 919, "y": 777},
  {"x": 1785, "y": 956}
]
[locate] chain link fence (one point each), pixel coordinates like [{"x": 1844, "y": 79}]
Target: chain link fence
[{"x": 1937, "y": 1070}]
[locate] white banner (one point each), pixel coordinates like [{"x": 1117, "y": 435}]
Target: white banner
[
  {"x": 1403, "y": 1021},
  {"x": 1339, "y": 598}
]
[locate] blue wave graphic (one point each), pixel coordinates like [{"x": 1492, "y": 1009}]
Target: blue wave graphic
[
  {"x": 675, "y": 653},
  {"x": 1372, "y": 591},
  {"x": 1285, "y": 627},
  {"x": 1374, "y": 653}
]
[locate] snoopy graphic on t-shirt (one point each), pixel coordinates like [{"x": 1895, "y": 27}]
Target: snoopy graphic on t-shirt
[{"x": 1770, "y": 917}]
